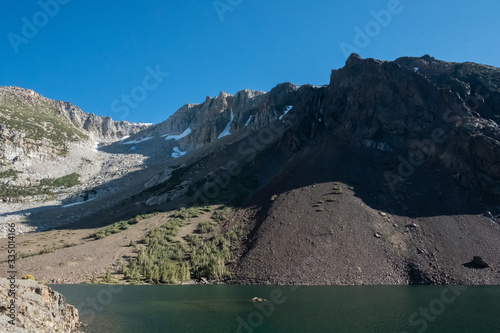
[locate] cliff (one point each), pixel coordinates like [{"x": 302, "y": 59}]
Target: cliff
[{"x": 39, "y": 309}]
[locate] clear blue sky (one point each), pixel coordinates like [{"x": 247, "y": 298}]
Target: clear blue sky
[{"x": 91, "y": 52}]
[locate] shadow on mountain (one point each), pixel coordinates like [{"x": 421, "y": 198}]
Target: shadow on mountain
[
  {"x": 86, "y": 210},
  {"x": 427, "y": 190}
]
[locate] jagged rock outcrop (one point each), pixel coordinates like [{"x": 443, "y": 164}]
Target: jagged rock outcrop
[
  {"x": 43, "y": 139},
  {"x": 390, "y": 167},
  {"x": 33, "y": 127},
  {"x": 39, "y": 309},
  {"x": 427, "y": 122},
  {"x": 98, "y": 128},
  {"x": 221, "y": 115},
  {"x": 429, "y": 111},
  {"x": 420, "y": 114}
]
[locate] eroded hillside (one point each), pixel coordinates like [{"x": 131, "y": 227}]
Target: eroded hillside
[{"x": 387, "y": 175}]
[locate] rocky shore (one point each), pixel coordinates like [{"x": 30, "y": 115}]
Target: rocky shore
[{"x": 38, "y": 309}]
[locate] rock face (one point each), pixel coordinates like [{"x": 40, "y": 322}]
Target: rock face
[
  {"x": 35, "y": 127},
  {"x": 414, "y": 144},
  {"x": 429, "y": 111},
  {"x": 195, "y": 125},
  {"x": 39, "y": 309},
  {"x": 43, "y": 139},
  {"x": 99, "y": 128}
]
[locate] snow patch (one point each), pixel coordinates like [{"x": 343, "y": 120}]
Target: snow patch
[
  {"x": 248, "y": 121},
  {"x": 288, "y": 108},
  {"x": 125, "y": 137},
  {"x": 226, "y": 130},
  {"x": 138, "y": 140},
  {"x": 178, "y": 136},
  {"x": 177, "y": 152},
  {"x": 76, "y": 203}
]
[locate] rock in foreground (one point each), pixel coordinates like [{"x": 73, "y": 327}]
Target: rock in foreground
[{"x": 39, "y": 309}]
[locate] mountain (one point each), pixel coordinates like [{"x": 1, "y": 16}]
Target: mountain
[
  {"x": 389, "y": 174},
  {"x": 42, "y": 140}
]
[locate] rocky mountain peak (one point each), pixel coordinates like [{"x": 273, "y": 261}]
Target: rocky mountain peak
[{"x": 98, "y": 127}]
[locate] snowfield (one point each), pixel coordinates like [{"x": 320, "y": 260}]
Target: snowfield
[
  {"x": 226, "y": 130},
  {"x": 178, "y": 136}
]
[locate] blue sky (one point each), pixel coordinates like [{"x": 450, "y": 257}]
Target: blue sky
[{"x": 94, "y": 53}]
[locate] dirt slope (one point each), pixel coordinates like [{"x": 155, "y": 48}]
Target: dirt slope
[{"x": 309, "y": 231}]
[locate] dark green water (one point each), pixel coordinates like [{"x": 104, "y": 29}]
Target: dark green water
[{"x": 227, "y": 308}]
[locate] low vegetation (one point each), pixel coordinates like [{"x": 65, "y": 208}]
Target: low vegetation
[
  {"x": 13, "y": 191},
  {"x": 337, "y": 189},
  {"x": 39, "y": 122},
  {"x": 162, "y": 258},
  {"x": 221, "y": 214},
  {"x": 205, "y": 227},
  {"x": 43, "y": 187},
  {"x": 48, "y": 249},
  {"x": 120, "y": 226},
  {"x": 65, "y": 181},
  {"x": 11, "y": 173}
]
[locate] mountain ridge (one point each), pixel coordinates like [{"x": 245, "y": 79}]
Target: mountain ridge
[{"x": 393, "y": 165}]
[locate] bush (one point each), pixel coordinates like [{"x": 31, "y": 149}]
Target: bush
[
  {"x": 120, "y": 226},
  {"x": 337, "y": 189},
  {"x": 165, "y": 260},
  {"x": 11, "y": 173},
  {"x": 188, "y": 213},
  {"x": 221, "y": 214},
  {"x": 65, "y": 181},
  {"x": 205, "y": 227},
  {"x": 108, "y": 277},
  {"x": 48, "y": 249}
]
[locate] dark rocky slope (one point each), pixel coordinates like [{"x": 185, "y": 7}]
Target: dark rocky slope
[
  {"x": 390, "y": 174},
  {"x": 418, "y": 168}
]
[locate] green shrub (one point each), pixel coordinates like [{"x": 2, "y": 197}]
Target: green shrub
[
  {"x": 163, "y": 259},
  {"x": 108, "y": 277},
  {"x": 47, "y": 249},
  {"x": 188, "y": 213},
  {"x": 221, "y": 214},
  {"x": 11, "y": 173},
  {"x": 337, "y": 189},
  {"x": 193, "y": 240},
  {"x": 120, "y": 226},
  {"x": 65, "y": 181},
  {"x": 205, "y": 227}
]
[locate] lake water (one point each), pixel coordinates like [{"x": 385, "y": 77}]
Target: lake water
[{"x": 228, "y": 308}]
